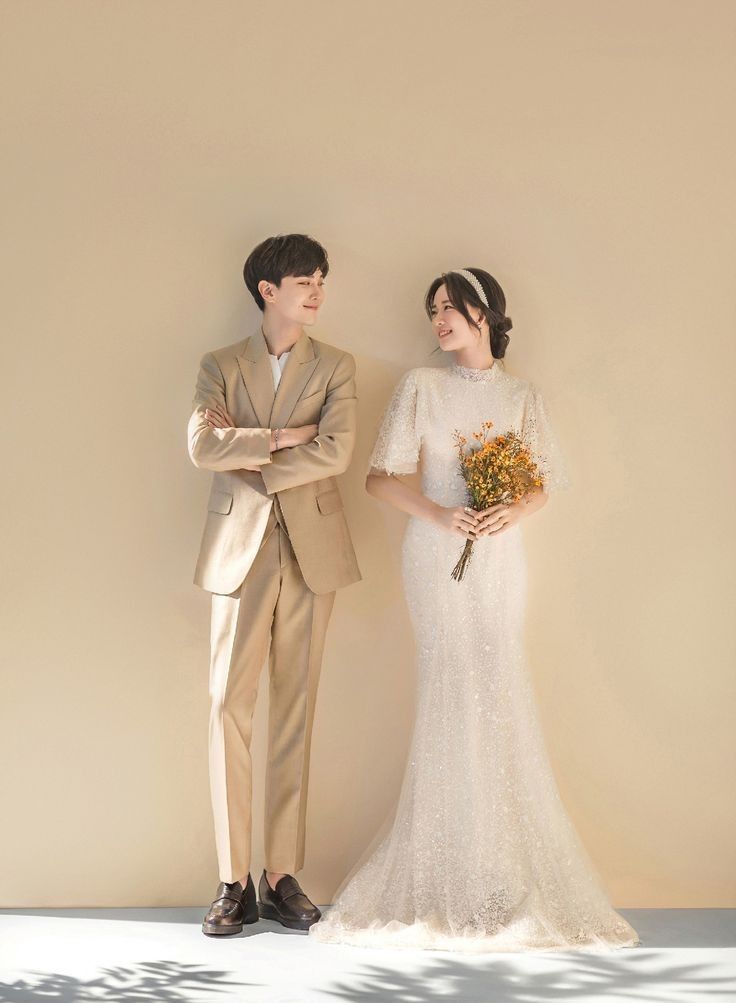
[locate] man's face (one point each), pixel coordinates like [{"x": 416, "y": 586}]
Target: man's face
[{"x": 298, "y": 298}]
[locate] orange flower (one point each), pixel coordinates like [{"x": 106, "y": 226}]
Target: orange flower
[{"x": 501, "y": 470}]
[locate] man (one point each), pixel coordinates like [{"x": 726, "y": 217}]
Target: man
[{"x": 274, "y": 418}]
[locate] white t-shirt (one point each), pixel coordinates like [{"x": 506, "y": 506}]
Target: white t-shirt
[{"x": 277, "y": 365}]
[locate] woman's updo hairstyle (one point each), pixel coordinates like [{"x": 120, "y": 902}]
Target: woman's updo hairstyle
[{"x": 461, "y": 294}]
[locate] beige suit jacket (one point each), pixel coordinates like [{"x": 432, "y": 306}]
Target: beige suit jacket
[{"x": 317, "y": 387}]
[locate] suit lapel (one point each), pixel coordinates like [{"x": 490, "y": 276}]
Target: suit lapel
[
  {"x": 299, "y": 367},
  {"x": 273, "y": 409},
  {"x": 255, "y": 367}
]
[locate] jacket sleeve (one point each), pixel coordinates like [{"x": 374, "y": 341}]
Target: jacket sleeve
[
  {"x": 329, "y": 453},
  {"x": 221, "y": 448}
]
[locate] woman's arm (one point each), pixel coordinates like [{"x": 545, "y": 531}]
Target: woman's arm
[
  {"x": 464, "y": 522},
  {"x": 392, "y": 489}
]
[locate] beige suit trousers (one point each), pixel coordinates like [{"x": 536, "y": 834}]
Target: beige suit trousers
[{"x": 272, "y": 600}]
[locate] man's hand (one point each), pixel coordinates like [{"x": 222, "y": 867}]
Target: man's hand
[
  {"x": 217, "y": 417},
  {"x": 300, "y": 435}
]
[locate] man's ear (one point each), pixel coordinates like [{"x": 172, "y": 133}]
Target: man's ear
[{"x": 265, "y": 288}]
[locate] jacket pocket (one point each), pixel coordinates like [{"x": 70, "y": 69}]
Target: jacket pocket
[
  {"x": 220, "y": 501},
  {"x": 329, "y": 501}
]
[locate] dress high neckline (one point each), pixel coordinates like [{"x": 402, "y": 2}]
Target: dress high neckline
[{"x": 476, "y": 375}]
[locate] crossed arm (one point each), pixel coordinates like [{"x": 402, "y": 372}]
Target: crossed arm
[
  {"x": 305, "y": 453},
  {"x": 218, "y": 417}
]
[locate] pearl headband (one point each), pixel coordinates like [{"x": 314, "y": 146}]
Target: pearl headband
[{"x": 473, "y": 281}]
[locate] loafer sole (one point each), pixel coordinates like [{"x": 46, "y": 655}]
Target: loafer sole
[
  {"x": 222, "y": 931},
  {"x": 269, "y": 912},
  {"x": 230, "y": 929}
]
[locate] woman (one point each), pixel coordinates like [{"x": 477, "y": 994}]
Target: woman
[{"x": 480, "y": 854}]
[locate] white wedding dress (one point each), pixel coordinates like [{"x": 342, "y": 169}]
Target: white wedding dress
[{"x": 480, "y": 854}]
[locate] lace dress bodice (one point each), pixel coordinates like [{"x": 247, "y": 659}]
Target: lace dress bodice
[{"x": 428, "y": 404}]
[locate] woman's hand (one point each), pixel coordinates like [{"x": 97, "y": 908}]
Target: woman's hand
[
  {"x": 497, "y": 518},
  {"x": 459, "y": 520}
]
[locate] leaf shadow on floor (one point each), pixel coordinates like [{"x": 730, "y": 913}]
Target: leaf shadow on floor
[
  {"x": 646, "y": 975},
  {"x": 569, "y": 976}
]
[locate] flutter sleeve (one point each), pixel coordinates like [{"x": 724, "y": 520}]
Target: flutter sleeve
[
  {"x": 396, "y": 450},
  {"x": 538, "y": 432}
]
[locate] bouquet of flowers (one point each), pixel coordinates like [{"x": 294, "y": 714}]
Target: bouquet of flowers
[{"x": 500, "y": 470}]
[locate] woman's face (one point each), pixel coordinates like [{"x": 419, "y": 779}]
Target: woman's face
[{"x": 453, "y": 331}]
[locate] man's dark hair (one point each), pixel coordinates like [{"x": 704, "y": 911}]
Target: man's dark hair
[{"x": 287, "y": 254}]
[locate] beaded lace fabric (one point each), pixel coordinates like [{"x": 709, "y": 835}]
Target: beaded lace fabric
[{"x": 479, "y": 853}]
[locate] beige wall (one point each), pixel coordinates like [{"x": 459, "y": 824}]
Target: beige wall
[{"x": 578, "y": 151}]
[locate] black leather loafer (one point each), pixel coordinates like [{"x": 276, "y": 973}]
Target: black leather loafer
[
  {"x": 286, "y": 903},
  {"x": 233, "y": 906}
]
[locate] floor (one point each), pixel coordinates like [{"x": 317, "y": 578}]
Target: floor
[{"x": 142, "y": 955}]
